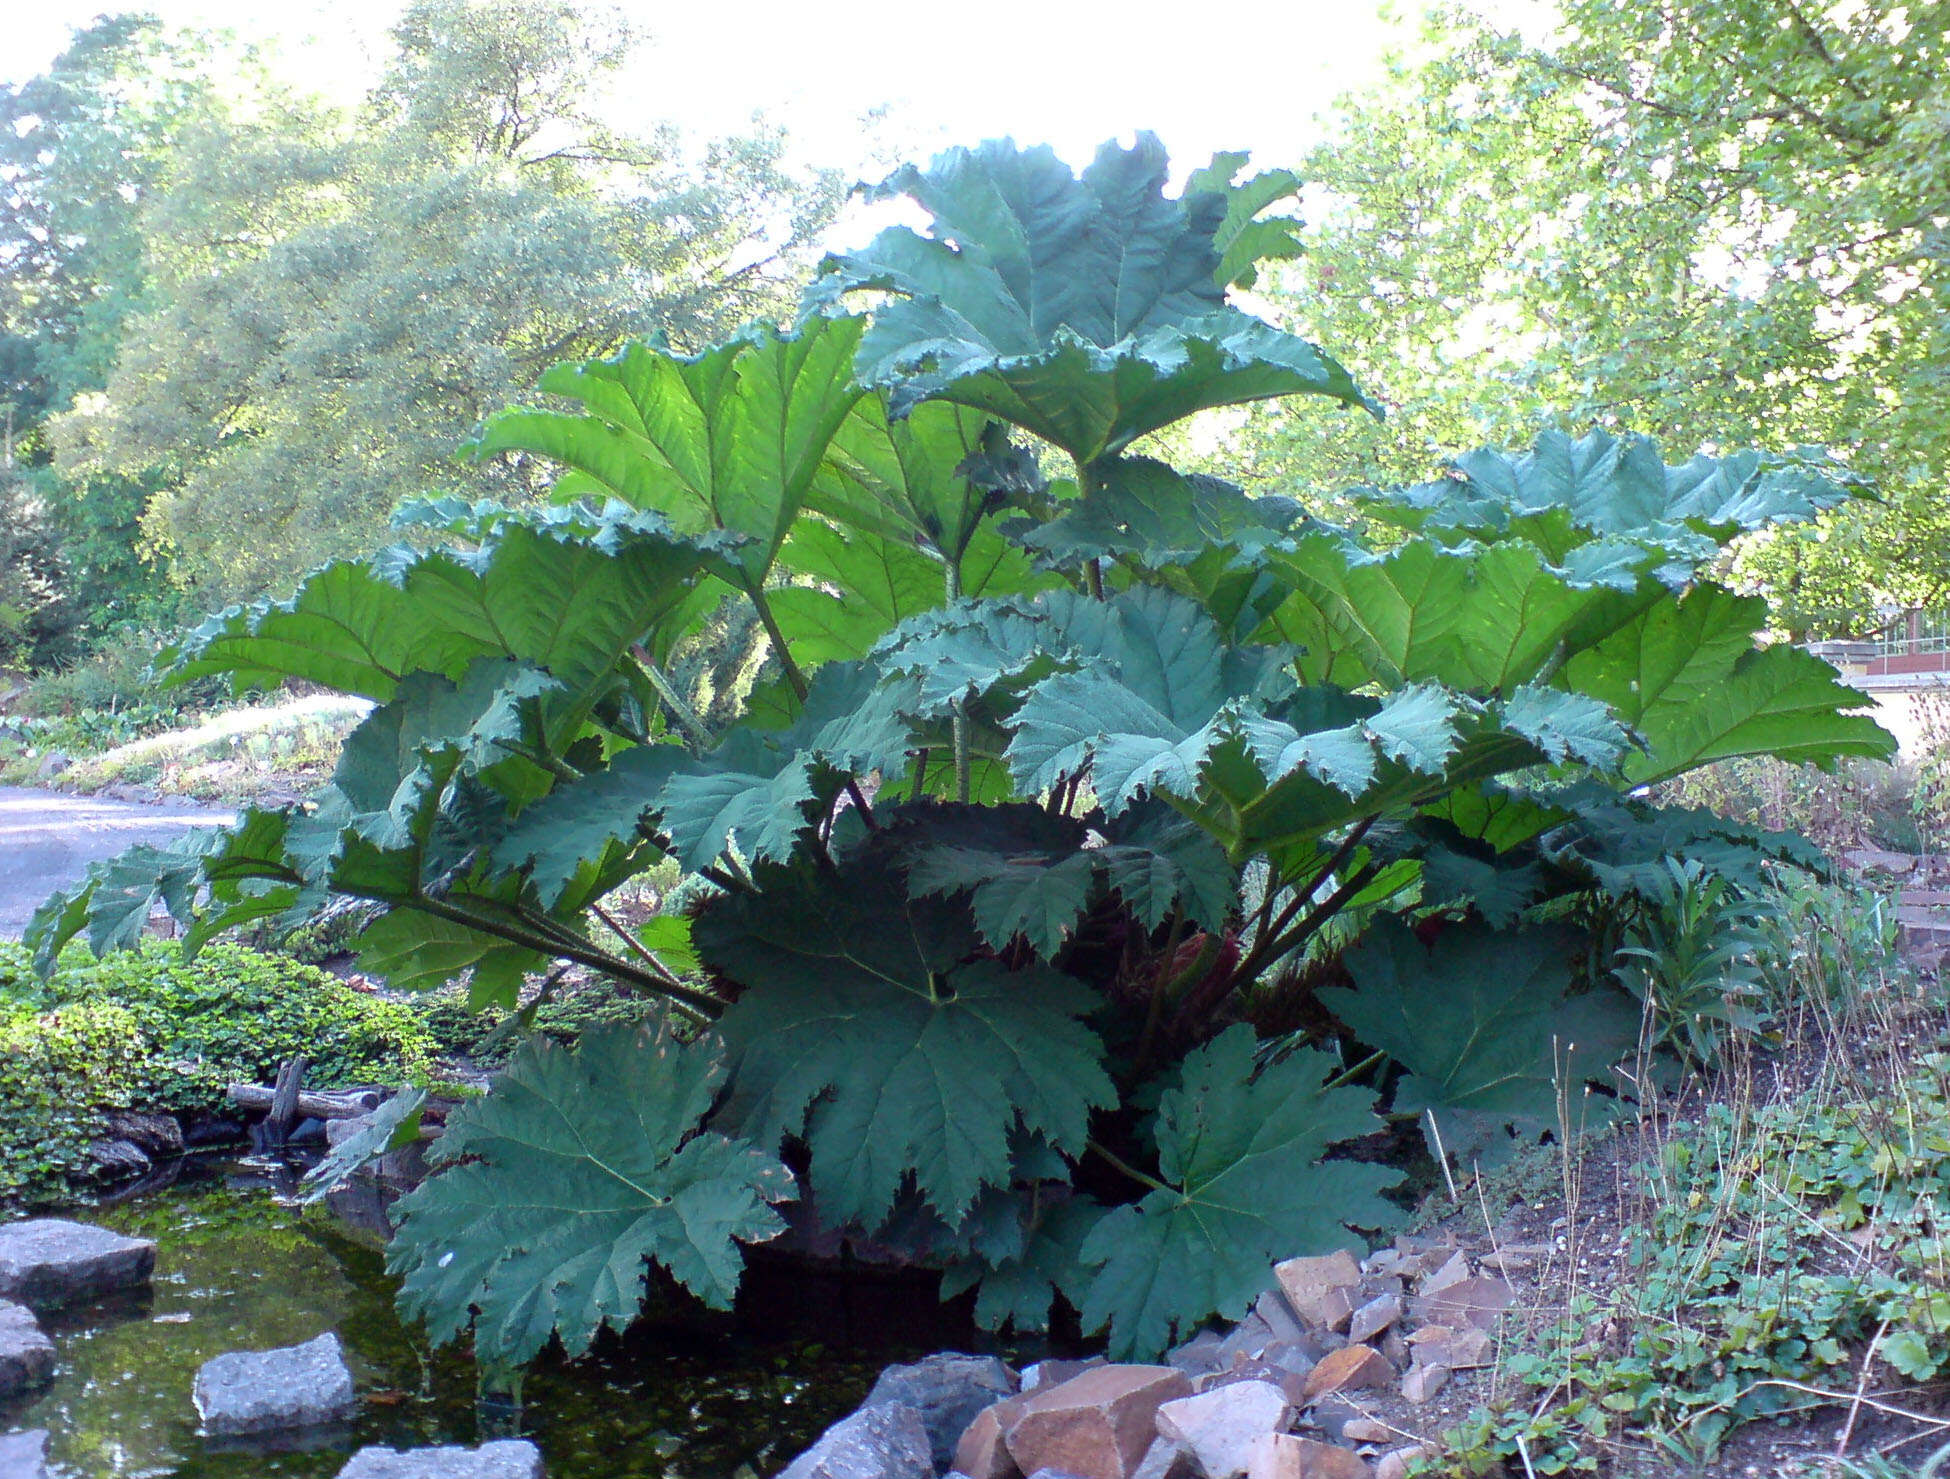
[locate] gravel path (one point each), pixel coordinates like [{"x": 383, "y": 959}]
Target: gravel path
[{"x": 47, "y": 839}]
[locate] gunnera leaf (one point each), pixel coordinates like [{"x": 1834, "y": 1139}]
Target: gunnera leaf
[
  {"x": 1243, "y": 1156},
  {"x": 1087, "y": 310},
  {"x": 868, "y": 1021},
  {"x": 556, "y": 1190},
  {"x": 1484, "y": 1024}
]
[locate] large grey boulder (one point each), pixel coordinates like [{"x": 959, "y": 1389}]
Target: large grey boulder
[
  {"x": 24, "y": 1455},
  {"x": 885, "y": 1442},
  {"x": 26, "y": 1354},
  {"x": 297, "y": 1386},
  {"x": 509, "y": 1458},
  {"x": 47, "y": 1261},
  {"x": 947, "y": 1390}
]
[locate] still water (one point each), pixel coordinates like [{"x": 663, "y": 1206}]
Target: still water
[{"x": 237, "y": 1269}]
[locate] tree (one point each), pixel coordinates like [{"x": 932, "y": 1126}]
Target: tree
[
  {"x": 1721, "y": 223},
  {"x": 336, "y": 302},
  {"x": 81, "y": 147}
]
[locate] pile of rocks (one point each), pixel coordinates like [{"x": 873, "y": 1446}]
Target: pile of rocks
[{"x": 1291, "y": 1392}]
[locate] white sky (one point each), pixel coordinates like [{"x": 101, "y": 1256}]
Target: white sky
[{"x": 1067, "y": 72}]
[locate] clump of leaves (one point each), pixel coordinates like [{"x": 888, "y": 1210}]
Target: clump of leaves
[{"x": 973, "y": 954}]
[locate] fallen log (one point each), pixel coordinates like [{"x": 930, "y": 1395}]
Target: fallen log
[{"x": 316, "y": 1103}]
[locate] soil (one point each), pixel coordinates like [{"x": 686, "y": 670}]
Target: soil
[{"x": 1575, "y": 1235}]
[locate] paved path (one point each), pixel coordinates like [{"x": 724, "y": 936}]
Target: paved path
[{"x": 48, "y": 839}]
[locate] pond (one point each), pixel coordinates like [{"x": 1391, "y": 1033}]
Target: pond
[{"x": 238, "y": 1269}]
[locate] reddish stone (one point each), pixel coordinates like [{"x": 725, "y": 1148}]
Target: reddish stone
[
  {"x": 982, "y": 1452},
  {"x": 1097, "y": 1425},
  {"x": 1219, "y": 1427},
  {"x": 1372, "y": 1318},
  {"x": 1319, "y": 1289},
  {"x": 1423, "y": 1382},
  {"x": 1285, "y": 1456},
  {"x": 1478, "y": 1302},
  {"x": 1347, "y": 1370}
]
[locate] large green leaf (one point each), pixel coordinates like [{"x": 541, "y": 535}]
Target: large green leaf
[
  {"x": 1139, "y": 507},
  {"x": 115, "y": 897},
  {"x": 730, "y": 439},
  {"x": 1565, "y": 491},
  {"x": 411, "y": 950},
  {"x": 361, "y": 628},
  {"x": 557, "y": 1188},
  {"x": 1483, "y": 1023},
  {"x": 1485, "y": 618},
  {"x": 1689, "y": 677},
  {"x": 1241, "y": 1154},
  {"x": 1087, "y": 310},
  {"x": 865, "y": 1024},
  {"x": 575, "y": 824}
]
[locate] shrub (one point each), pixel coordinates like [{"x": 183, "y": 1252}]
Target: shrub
[
  {"x": 229, "y": 1015},
  {"x": 975, "y": 955},
  {"x": 58, "y": 1070}
]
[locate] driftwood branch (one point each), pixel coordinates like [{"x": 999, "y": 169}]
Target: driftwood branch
[{"x": 317, "y": 1104}]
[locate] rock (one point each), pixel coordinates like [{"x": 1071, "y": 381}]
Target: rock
[
  {"x": 1374, "y": 1317},
  {"x": 1218, "y": 1428},
  {"x": 297, "y": 1386},
  {"x": 406, "y": 1166},
  {"x": 1099, "y": 1424},
  {"x": 47, "y": 1261},
  {"x": 1349, "y": 1370},
  {"x": 24, "y": 1455},
  {"x": 1285, "y": 1456},
  {"x": 1248, "y": 1338},
  {"x": 26, "y": 1354},
  {"x": 1319, "y": 1288},
  {"x": 1164, "y": 1459},
  {"x": 52, "y": 764},
  {"x": 1055, "y": 1373},
  {"x": 1200, "y": 1355},
  {"x": 1423, "y": 1382},
  {"x": 1437, "y": 1345},
  {"x": 1477, "y": 1302},
  {"x": 155, "y": 1135},
  {"x": 982, "y": 1452},
  {"x": 885, "y": 1442},
  {"x": 117, "y": 1160},
  {"x": 948, "y": 1390},
  {"x": 1365, "y": 1429},
  {"x": 509, "y": 1458},
  {"x": 1453, "y": 1270},
  {"x": 1281, "y": 1318},
  {"x": 1394, "y": 1463}
]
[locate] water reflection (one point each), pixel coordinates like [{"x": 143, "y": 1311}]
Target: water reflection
[{"x": 237, "y": 1270}]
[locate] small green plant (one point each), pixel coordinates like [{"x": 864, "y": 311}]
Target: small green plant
[
  {"x": 1782, "y": 1255},
  {"x": 1692, "y": 958}
]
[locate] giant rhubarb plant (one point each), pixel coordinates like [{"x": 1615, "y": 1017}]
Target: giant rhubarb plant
[{"x": 1021, "y": 859}]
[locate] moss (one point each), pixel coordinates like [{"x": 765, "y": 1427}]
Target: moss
[{"x": 147, "y": 1029}]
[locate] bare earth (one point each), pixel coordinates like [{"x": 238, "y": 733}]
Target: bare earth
[{"x": 48, "y": 839}]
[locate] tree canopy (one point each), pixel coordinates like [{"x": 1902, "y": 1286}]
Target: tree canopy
[
  {"x": 256, "y": 321},
  {"x": 1717, "y": 221}
]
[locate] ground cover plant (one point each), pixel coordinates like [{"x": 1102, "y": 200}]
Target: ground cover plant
[
  {"x": 1750, "y": 1278},
  {"x": 1014, "y": 868},
  {"x": 154, "y": 1030}
]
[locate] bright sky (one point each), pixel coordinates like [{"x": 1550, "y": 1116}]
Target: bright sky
[{"x": 1067, "y": 72}]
